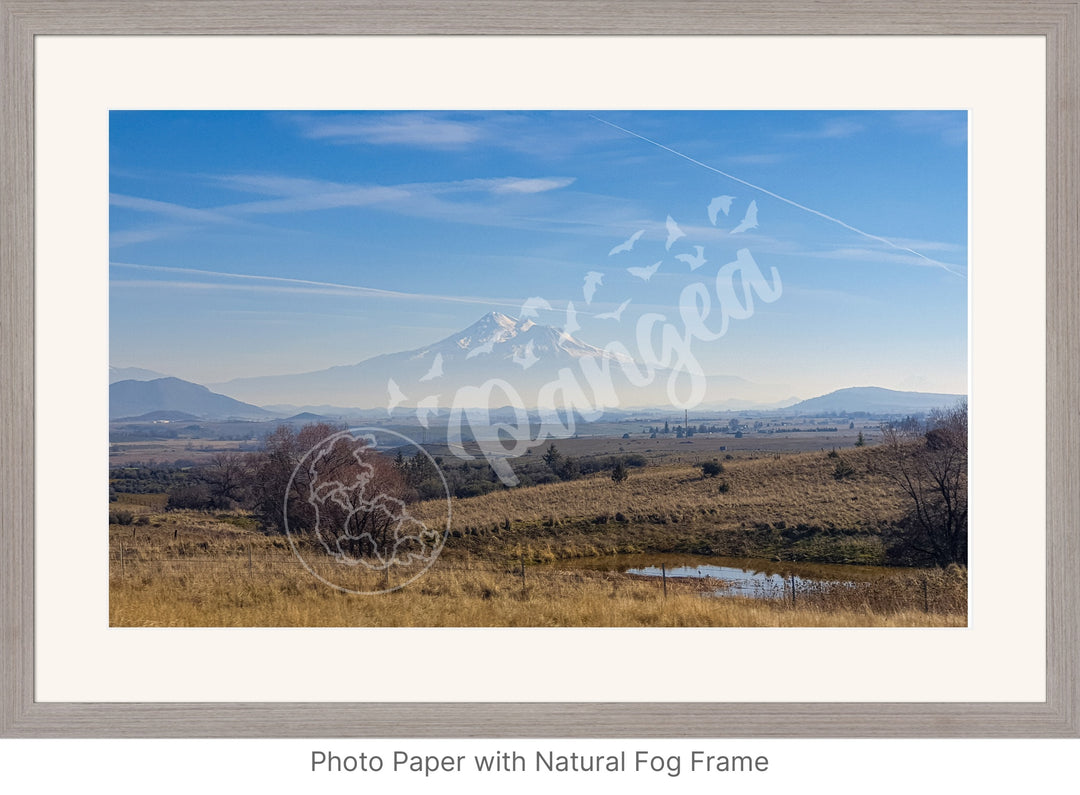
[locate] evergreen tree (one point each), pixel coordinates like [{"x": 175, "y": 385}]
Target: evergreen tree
[{"x": 553, "y": 458}]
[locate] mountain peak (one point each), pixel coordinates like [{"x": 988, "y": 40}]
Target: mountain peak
[
  {"x": 492, "y": 327},
  {"x": 495, "y": 320},
  {"x": 519, "y": 351},
  {"x": 131, "y": 398}
]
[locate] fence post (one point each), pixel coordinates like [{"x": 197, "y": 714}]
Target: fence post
[
  {"x": 249, "y": 559},
  {"x": 792, "y": 590},
  {"x": 121, "y": 560},
  {"x": 663, "y": 573},
  {"x": 925, "y": 597},
  {"x": 523, "y": 573}
]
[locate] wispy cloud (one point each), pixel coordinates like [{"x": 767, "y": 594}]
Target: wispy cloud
[
  {"x": 929, "y": 245},
  {"x": 513, "y": 185},
  {"x": 950, "y": 126},
  {"x": 271, "y": 184},
  {"x": 835, "y": 128},
  {"x": 756, "y": 159},
  {"x": 514, "y": 132},
  {"x": 329, "y": 197},
  {"x": 281, "y": 284},
  {"x": 145, "y": 234},
  {"x": 166, "y": 209},
  {"x": 481, "y": 201},
  {"x": 290, "y": 195},
  {"x": 822, "y": 296},
  {"x": 399, "y": 130},
  {"x": 893, "y": 257},
  {"x": 159, "y": 284}
]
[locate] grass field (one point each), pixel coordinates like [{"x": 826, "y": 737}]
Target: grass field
[
  {"x": 184, "y": 568},
  {"x": 205, "y": 576},
  {"x": 789, "y": 506}
]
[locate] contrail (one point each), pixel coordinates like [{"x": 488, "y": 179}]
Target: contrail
[{"x": 818, "y": 213}]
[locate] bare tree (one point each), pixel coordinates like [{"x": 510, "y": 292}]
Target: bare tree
[
  {"x": 226, "y": 477},
  {"x": 338, "y": 493},
  {"x": 930, "y": 464},
  {"x": 272, "y": 469}
]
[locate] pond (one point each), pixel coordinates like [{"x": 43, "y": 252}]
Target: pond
[{"x": 753, "y": 577}]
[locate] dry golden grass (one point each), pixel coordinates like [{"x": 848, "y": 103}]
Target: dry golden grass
[
  {"x": 796, "y": 488},
  {"x": 205, "y": 577},
  {"x": 184, "y": 568},
  {"x": 131, "y": 502},
  {"x": 790, "y": 506}
]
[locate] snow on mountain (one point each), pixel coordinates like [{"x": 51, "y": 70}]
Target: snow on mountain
[
  {"x": 523, "y": 353},
  {"x": 500, "y": 336}
]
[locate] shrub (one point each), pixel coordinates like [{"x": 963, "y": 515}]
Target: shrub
[
  {"x": 843, "y": 470},
  {"x": 474, "y": 489},
  {"x": 122, "y": 517},
  {"x": 569, "y": 469},
  {"x": 710, "y": 469},
  {"x": 192, "y": 496}
]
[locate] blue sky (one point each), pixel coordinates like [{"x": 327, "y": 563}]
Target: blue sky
[{"x": 258, "y": 243}]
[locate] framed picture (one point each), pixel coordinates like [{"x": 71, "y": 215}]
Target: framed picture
[{"x": 652, "y": 349}]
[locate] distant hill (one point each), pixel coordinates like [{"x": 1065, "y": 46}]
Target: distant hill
[
  {"x": 876, "y": 400},
  {"x": 136, "y": 398},
  {"x": 132, "y": 374},
  {"x": 307, "y": 416},
  {"x": 159, "y": 416}
]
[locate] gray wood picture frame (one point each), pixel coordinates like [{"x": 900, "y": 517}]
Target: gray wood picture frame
[{"x": 22, "y": 716}]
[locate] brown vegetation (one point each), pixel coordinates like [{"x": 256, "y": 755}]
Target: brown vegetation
[
  {"x": 217, "y": 573},
  {"x": 505, "y": 562},
  {"x": 788, "y": 506}
]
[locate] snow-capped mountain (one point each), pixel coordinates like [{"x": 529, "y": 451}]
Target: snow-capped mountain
[
  {"x": 522, "y": 353},
  {"x": 501, "y": 337}
]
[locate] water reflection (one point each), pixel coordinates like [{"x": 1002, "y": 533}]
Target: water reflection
[
  {"x": 751, "y": 577},
  {"x": 744, "y": 582}
]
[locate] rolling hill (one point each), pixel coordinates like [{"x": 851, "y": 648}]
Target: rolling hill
[
  {"x": 138, "y": 398},
  {"x": 876, "y": 400}
]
